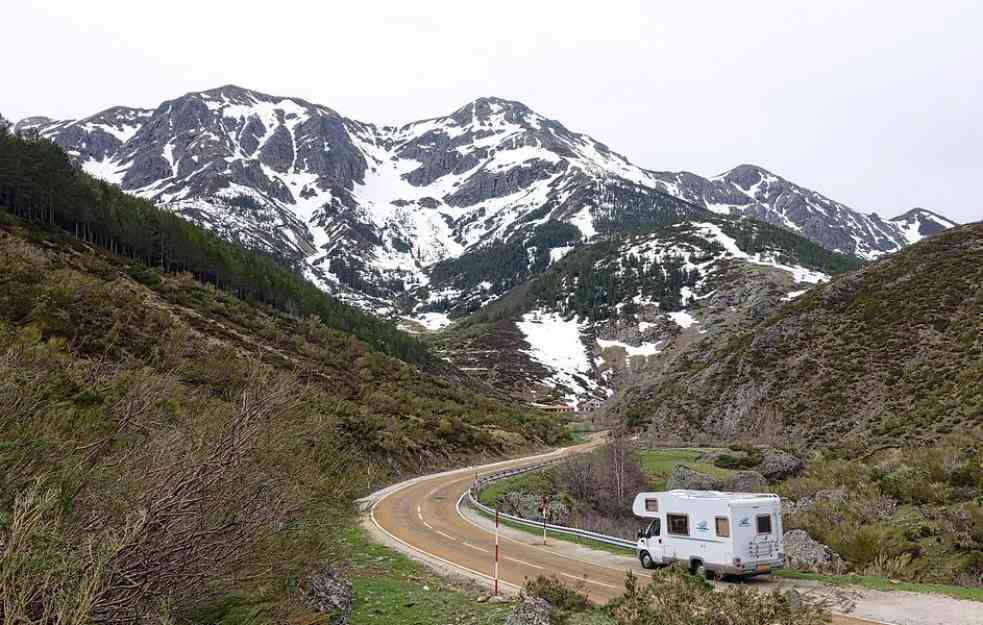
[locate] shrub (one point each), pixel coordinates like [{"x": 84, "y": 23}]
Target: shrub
[
  {"x": 914, "y": 485},
  {"x": 676, "y": 598},
  {"x": 554, "y": 592},
  {"x": 862, "y": 544}
]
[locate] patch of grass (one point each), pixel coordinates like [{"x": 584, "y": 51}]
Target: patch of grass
[
  {"x": 657, "y": 464},
  {"x": 551, "y": 535},
  {"x": 580, "y": 431},
  {"x": 885, "y": 584},
  {"x": 390, "y": 588}
]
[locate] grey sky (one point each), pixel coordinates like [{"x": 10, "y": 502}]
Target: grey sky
[{"x": 878, "y": 106}]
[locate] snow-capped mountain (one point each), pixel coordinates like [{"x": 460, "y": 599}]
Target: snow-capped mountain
[
  {"x": 609, "y": 311},
  {"x": 919, "y": 223},
  {"x": 752, "y": 191},
  {"x": 373, "y": 213}
]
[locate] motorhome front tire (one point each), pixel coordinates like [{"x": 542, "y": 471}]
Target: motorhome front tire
[{"x": 646, "y": 559}]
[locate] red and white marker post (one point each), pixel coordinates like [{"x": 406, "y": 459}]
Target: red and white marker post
[
  {"x": 546, "y": 502},
  {"x": 496, "y": 549}
]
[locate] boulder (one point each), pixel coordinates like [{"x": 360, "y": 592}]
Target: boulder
[
  {"x": 529, "y": 506},
  {"x": 806, "y": 554},
  {"x": 330, "y": 593},
  {"x": 531, "y": 611},
  {"x": 747, "y": 482},
  {"x": 778, "y": 465},
  {"x": 686, "y": 478}
]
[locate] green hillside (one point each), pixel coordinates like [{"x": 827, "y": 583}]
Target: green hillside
[
  {"x": 888, "y": 355},
  {"x": 171, "y": 445},
  {"x": 39, "y": 183}
]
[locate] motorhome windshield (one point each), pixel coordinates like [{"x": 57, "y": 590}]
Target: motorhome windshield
[{"x": 654, "y": 528}]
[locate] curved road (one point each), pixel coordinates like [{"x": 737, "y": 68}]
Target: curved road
[{"x": 425, "y": 518}]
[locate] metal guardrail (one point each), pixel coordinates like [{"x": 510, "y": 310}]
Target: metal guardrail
[{"x": 473, "y": 500}]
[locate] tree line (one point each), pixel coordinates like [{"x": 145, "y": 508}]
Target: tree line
[{"x": 40, "y": 183}]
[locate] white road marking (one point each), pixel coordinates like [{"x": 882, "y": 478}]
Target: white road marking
[
  {"x": 474, "y": 547},
  {"x": 447, "y": 536},
  {"x": 523, "y": 562},
  {"x": 425, "y": 553}
]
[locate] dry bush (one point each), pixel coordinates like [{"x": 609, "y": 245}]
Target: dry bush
[
  {"x": 163, "y": 520},
  {"x": 603, "y": 485}
]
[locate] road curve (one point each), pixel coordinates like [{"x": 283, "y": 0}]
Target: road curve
[{"x": 422, "y": 517}]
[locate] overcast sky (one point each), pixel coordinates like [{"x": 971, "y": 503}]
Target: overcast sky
[{"x": 878, "y": 106}]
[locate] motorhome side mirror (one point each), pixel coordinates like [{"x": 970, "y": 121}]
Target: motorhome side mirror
[{"x": 643, "y": 533}]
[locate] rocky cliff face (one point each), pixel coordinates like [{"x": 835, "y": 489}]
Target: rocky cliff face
[{"x": 370, "y": 211}]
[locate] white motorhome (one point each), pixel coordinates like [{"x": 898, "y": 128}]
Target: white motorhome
[{"x": 713, "y": 533}]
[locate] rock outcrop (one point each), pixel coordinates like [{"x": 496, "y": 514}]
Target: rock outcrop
[
  {"x": 742, "y": 481},
  {"x": 806, "y": 554},
  {"x": 330, "y": 593},
  {"x": 531, "y": 611},
  {"x": 778, "y": 464},
  {"x": 686, "y": 478},
  {"x": 747, "y": 482}
]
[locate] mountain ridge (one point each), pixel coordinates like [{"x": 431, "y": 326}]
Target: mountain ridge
[{"x": 370, "y": 210}]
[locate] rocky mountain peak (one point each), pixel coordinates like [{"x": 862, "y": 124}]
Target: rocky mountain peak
[
  {"x": 918, "y": 223},
  {"x": 925, "y": 214},
  {"x": 28, "y": 123},
  {"x": 748, "y": 176},
  {"x": 372, "y": 210}
]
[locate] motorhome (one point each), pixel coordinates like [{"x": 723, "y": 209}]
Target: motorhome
[{"x": 712, "y": 533}]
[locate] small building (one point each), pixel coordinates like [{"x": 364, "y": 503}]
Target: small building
[{"x": 555, "y": 407}]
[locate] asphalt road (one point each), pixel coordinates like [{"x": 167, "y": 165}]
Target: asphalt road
[{"x": 427, "y": 519}]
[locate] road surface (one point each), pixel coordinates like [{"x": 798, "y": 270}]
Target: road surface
[{"x": 426, "y": 518}]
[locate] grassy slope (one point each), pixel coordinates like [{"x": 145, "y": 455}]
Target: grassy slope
[
  {"x": 658, "y": 464},
  {"x": 117, "y": 381},
  {"x": 887, "y": 355}
]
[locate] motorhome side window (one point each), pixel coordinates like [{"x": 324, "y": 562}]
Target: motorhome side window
[
  {"x": 723, "y": 527},
  {"x": 677, "y": 524},
  {"x": 764, "y": 524}
]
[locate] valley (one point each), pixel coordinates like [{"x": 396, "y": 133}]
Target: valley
[
  {"x": 446, "y": 219},
  {"x": 226, "y": 319}
]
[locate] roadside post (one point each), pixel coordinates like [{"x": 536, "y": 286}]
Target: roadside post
[
  {"x": 496, "y": 547},
  {"x": 546, "y": 502}
]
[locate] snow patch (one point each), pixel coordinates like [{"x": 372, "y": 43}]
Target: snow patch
[
  {"x": 557, "y": 253},
  {"x": 645, "y": 349},
  {"x": 792, "y": 295},
  {"x": 713, "y": 232},
  {"x": 682, "y": 318},
  {"x": 432, "y": 321},
  {"x": 555, "y": 343}
]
